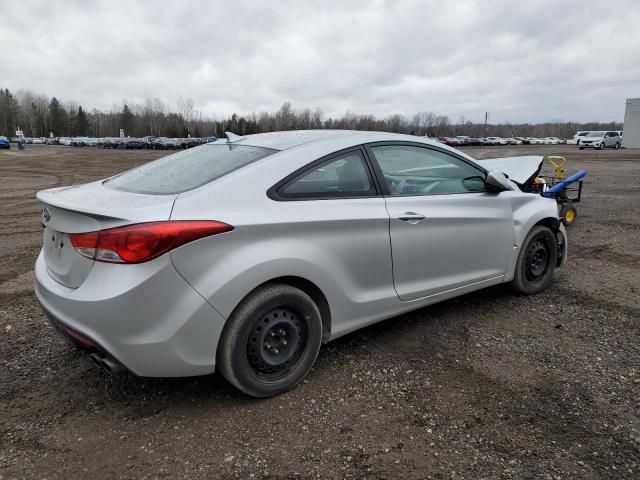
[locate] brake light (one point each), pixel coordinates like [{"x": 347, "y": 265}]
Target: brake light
[{"x": 143, "y": 241}]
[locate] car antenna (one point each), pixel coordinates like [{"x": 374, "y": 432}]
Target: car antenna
[{"x": 232, "y": 137}]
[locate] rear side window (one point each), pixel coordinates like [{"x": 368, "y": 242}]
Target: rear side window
[
  {"x": 343, "y": 176},
  {"x": 188, "y": 169}
]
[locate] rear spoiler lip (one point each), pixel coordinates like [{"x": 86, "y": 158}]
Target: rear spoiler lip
[
  {"x": 101, "y": 203},
  {"x": 46, "y": 197}
]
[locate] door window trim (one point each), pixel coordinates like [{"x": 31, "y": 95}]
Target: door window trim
[
  {"x": 382, "y": 185},
  {"x": 276, "y": 191}
]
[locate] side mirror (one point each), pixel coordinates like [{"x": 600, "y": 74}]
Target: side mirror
[{"x": 498, "y": 181}]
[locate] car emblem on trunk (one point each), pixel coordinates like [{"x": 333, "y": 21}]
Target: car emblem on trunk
[{"x": 46, "y": 214}]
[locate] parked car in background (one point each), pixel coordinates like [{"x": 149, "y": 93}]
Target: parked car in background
[
  {"x": 134, "y": 143},
  {"x": 577, "y": 137},
  {"x": 551, "y": 140},
  {"x": 452, "y": 142},
  {"x": 496, "y": 141},
  {"x": 601, "y": 140},
  {"x": 244, "y": 256},
  {"x": 4, "y": 143},
  {"x": 535, "y": 141}
]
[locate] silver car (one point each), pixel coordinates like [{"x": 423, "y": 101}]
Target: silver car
[
  {"x": 244, "y": 255},
  {"x": 600, "y": 140}
]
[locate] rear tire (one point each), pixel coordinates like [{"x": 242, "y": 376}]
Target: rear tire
[
  {"x": 617, "y": 146},
  {"x": 536, "y": 261},
  {"x": 581, "y": 148},
  {"x": 271, "y": 341}
]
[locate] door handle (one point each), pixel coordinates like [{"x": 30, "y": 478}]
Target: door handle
[{"x": 411, "y": 217}]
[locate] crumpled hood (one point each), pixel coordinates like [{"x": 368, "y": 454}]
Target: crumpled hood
[{"x": 518, "y": 169}]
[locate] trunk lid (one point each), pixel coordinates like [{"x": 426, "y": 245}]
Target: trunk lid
[{"x": 86, "y": 208}]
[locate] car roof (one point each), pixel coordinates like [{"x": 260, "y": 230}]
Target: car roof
[{"x": 293, "y": 138}]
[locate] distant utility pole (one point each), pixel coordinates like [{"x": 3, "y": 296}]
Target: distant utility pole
[{"x": 486, "y": 117}]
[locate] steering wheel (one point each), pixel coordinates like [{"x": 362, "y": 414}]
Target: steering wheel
[{"x": 403, "y": 183}]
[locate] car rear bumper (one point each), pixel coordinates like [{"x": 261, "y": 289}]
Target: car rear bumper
[{"x": 146, "y": 317}]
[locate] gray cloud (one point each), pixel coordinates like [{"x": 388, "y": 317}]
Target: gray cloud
[{"x": 522, "y": 61}]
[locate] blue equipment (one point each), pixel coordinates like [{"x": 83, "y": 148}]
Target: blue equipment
[{"x": 561, "y": 186}]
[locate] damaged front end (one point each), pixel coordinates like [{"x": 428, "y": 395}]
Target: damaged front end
[{"x": 525, "y": 173}]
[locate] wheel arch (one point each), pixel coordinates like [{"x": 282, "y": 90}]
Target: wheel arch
[
  {"x": 308, "y": 287},
  {"x": 551, "y": 223},
  {"x": 555, "y": 225},
  {"x": 536, "y": 211}
]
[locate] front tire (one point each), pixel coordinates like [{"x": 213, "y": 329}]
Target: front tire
[
  {"x": 602, "y": 146},
  {"x": 271, "y": 341},
  {"x": 536, "y": 261}
]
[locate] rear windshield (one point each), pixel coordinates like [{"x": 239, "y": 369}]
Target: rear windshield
[{"x": 188, "y": 169}]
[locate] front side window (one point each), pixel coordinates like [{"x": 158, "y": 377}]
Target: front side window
[
  {"x": 343, "y": 176},
  {"x": 410, "y": 170},
  {"x": 188, "y": 169}
]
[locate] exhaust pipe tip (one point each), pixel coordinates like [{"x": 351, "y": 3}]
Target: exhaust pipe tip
[
  {"x": 95, "y": 358},
  {"x": 113, "y": 367},
  {"x": 107, "y": 364}
]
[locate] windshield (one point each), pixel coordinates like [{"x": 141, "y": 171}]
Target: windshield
[
  {"x": 595, "y": 134},
  {"x": 188, "y": 169}
]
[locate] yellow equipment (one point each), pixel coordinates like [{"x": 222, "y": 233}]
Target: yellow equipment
[
  {"x": 558, "y": 162},
  {"x": 566, "y": 202}
]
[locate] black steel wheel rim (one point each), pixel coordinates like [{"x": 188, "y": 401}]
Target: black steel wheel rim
[
  {"x": 276, "y": 342},
  {"x": 537, "y": 260}
]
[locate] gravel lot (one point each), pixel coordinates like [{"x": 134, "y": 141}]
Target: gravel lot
[{"x": 490, "y": 385}]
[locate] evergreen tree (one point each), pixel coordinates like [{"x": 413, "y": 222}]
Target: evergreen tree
[
  {"x": 8, "y": 113},
  {"x": 57, "y": 118},
  {"x": 127, "y": 120},
  {"x": 81, "y": 123}
]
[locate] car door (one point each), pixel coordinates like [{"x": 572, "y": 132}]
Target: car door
[
  {"x": 446, "y": 230},
  {"x": 333, "y": 207}
]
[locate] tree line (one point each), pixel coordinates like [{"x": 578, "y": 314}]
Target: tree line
[{"x": 39, "y": 116}]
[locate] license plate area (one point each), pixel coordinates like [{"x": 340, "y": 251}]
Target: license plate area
[{"x": 64, "y": 264}]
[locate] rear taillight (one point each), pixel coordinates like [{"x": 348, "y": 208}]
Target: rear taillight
[{"x": 144, "y": 241}]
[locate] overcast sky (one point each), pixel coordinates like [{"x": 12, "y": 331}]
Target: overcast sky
[{"x": 531, "y": 60}]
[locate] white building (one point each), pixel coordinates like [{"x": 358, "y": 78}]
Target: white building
[{"x": 631, "y": 128}]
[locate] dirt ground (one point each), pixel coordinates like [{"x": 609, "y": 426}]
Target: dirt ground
[{"x": 489, "y": 385}]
